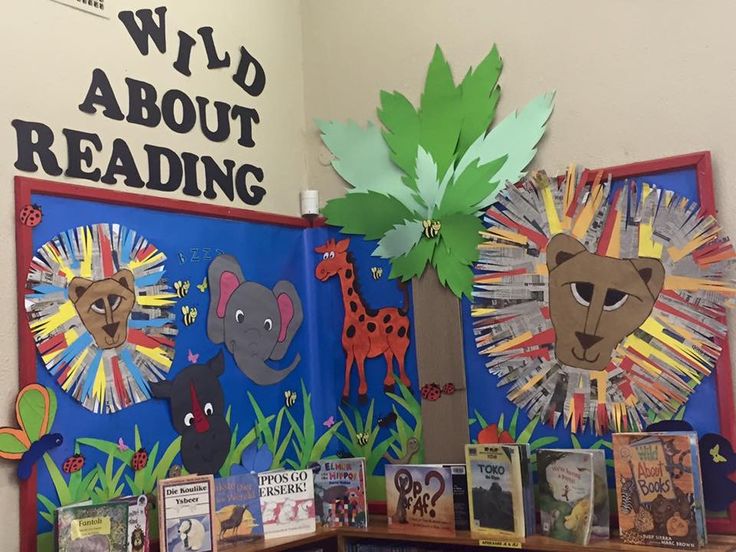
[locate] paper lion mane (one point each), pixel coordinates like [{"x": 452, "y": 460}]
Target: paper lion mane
[{"x": 602, "y": 305}]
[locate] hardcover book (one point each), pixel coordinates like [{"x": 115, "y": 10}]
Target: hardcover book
[
  {"x": 138, "y": 539},
  {"x": 421, "y": 496},
  {"x": 339, "y": 493},
  {"x": 92, "y": 528},
  {"x": 186, "y": 507},
  {"x": 658, "y": 488},
  {"x": 237, "y": 510},
  {"x": 287, "y": 502}
]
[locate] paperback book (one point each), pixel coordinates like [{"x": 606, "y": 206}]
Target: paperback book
[
  {"x": 237, "y": 510},
  {"x": 287, "y": 502},
  {"x": 421, "y": 496},
  {"x": 138, "y": 539},
  {"x": 460, "y": 496},
  {"x": 339, "y": 493},
  {"x": 186, "y": 507},
  {"x": 92, "y": 528},
  {"x": 659, "y": 489}
]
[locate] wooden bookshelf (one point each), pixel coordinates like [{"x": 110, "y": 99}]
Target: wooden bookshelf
[{"x": 378, "y": 530}]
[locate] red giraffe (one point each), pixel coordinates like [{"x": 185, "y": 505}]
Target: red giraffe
[{"x": 366, "y": 333}]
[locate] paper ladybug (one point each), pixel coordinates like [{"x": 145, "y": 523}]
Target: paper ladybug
[
  {"x": 73, "y": 464},
  {"x": 31, "y": 215},
  {"x": 448, "y": 389},
  {"x": 139, "y": 460},
  {"x": 431, "y": 392}
]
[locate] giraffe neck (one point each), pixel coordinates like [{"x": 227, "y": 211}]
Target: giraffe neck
[{"x": 351, "y": 299}]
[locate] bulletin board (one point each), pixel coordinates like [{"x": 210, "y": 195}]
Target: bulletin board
[
  {"x": 709, "y": 410},
  {"x": 299, "y": 419}
]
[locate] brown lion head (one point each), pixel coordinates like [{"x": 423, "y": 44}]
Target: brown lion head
[
  {"x": 104, "y": 306},
  {"x": 596, "y": 301}
]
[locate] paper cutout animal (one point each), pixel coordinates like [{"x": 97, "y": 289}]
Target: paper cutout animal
[
  {"x": 104, "y": 306},
  {"x": 595, "y": 301},
  {"x": 366, "y": 333},
  {"x": 255, "y": 323},
  {"x": 192, "y": 534},
  {"x": 198, "y": 414}
]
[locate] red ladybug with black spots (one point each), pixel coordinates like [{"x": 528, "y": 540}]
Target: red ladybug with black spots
[
  {"x": 448, "y": 389},
  {"x": 139, "y": 460},
  {"x": 73, "y": 464},
  {"x": 431, "y": 392},
  {"x": 31, "y": 215}
]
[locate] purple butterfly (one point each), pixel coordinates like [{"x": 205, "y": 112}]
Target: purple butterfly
[{"x": 191, "y": 357}]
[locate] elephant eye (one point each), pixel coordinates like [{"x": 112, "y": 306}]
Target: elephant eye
[
  {"x": 98, "y": 306},
  {"x": 326, "y": 256},
  {"x": 188, "y": 419},
  {"x": 208, "y": 410},
  {"x": 239, "y": 316},
  {"x": 332, "y": 254},
  {"x": 268, "y": 324},
  {"x": 582, "y": 292},
  {"x": 615, "y": 299}
]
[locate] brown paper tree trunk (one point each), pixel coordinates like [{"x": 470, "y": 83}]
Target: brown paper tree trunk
[{"x": 440, "y": 360}]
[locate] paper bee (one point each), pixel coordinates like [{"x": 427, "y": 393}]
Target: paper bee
[
  {"x": 203, "y": 286},
  {"x": 181, "y": 288},
  {"x": 376, "y": 272},
  {"x": 362, "y": 438},
  {"x": 289, "y": 398},
  {"x": 431, "y": 228},
  {"x": 189, "y": 315}
]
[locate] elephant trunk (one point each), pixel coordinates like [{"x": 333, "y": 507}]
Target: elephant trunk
[{"x": 262, "y": 374}]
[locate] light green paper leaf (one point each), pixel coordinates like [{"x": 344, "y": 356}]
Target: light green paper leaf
[
  {"x": 413, "y": 263},
  {"x": 460, "y": 234},
  {"x": 452, "y": 271},
  {"x": 370, "y": 214},
  {"x": 426, "y": 182},
  {"x": 516, "y": 136},
  {"x": 402, "y": 129},
  {"x": 480, "y": 94},
  {"x": 470, "y": 188},
  {"x": 399, "y": 240}
]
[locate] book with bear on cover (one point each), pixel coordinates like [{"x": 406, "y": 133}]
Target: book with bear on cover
[
  {"x": 420, "y": 496},
  {"x": 237, "y": 509},
  {"x": 287, "y": 502},
  {"x": 658, "y": 489},
  {"x": 339, "y": 493},
  {"x": 496, "y": 489},
  {"x": 92, "y": 528},
  {"x": 186, "y": 507}
]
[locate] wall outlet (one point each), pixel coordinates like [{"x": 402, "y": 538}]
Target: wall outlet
[{"x": 95, "y": 7}]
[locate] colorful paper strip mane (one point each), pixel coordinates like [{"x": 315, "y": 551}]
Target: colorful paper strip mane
[
  {"x": 600, "y": 304},
  {"x": 98, "y": 308}
]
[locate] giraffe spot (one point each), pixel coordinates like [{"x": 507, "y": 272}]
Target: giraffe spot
[
  {"x": 353, "y": 306},
  {"x": 386, "y": 318},
  {"x": 350, "y": 332},
  {"x": 389, "y": 329},
  {"x": 348, "y": 273},
  {"x": 350, "y": 291},
  {"x": 362, "y": 318},
  {"x": 371, "y": 327},
  {"x": 402, "y": 331}
]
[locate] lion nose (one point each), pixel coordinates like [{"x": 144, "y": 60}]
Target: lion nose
[
  {"x": 587, "y": 340},
  {"x": 110, "y": 329}
]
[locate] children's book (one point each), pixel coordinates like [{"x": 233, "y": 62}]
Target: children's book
[
  {"x": 186, "y": 507},
  {"x": 421, "y": 496},
  {"x": 339, "y": 493},
  {"x": 460, "y": 496},
  {"x": 496, "y": 491},
  {"x": 566, "y": 493},
  {"x": 659, "y": 490},
  {"x": 92, "y": 528},
  {"x": 601, "y": 501},
  {"x": 237, "y": 510},
  {"x": 287, "y": 502},
  {"x": 138, "y": 538}
]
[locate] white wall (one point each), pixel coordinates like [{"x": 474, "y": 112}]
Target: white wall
[{"x": 49, "y": 51}]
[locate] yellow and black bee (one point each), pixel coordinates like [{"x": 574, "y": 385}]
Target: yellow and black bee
[
  {"x": 376, "y": 272},
  {"x": 188, "y": 315},
  {"x": 289, "y": 398},
  {"x": 181, "y": 288},
  {"x": 431, "y": 228},
  {"x": 203, "y": 286},
  {"x": 362, "y": 438}
]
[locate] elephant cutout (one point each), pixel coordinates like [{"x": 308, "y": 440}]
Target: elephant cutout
[{"x": 255, "y": 323}]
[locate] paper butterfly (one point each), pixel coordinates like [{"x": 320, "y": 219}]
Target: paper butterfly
[
  {"x": 203, "y": 286},
  {"x": 715, "y": 453},
  {"x": 329, "y": 422},
  {"x": 255, "y": 459},
  {"x": 191, "y": 357},
  {"x": 122, "y": 447},
  {"x": 35, "y": 410}
]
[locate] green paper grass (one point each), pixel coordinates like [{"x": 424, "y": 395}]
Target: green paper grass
[{"x": 272, "y": 437}]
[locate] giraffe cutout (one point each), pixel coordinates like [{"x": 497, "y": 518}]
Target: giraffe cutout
[{"x": 366, "y": 333}]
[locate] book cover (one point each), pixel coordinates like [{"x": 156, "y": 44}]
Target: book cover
[
  {"x": 186, "y": 514},
  {"x": 566, "y": 493},
  {"x": 460, "y": 496},
  {"x": 92, "y": 528},
  {"x": 138, "y": 539},
  {"x": 659, "y": 502},
  {"x": 339, "y": 493},
  {"x": 601, "y": 501},
  {"x": 421, "y": 496},
  {"x": 496, "y": 491},
  {"x": 237, "y": 510},
  {"x": 287, "y": 502}
]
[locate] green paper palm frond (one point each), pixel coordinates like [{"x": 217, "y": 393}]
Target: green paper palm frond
[{"x": 417, "y": 185}]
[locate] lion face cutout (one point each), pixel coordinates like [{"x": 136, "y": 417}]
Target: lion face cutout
[
  {"x": 596, "y": 301},
  {"x": 104, "y": 306}
]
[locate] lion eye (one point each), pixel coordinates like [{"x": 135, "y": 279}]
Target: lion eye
[
  {"x": 583, "y": 292},
  {"x": 239, "y": 316},
  {"x": 98, "y": 306},
  {"x": 188, "y": 419},
  {"x": 268, "y": 324},
  {"x": 114, "y": 301},
  {"x": 614, "y": 299}
]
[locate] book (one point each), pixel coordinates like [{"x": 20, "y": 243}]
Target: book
[
  {"x": 527, "y": 485},
  {"x": 339, "y": 493},
  {"x": 460, "y": 496},
  {"x": 287, "y": 502},
  {"x": 659, "y": 489},
  {"x": 421, "y": 496},
  {"x": 92, "y": 528},
  {"x": 496, "y": 491},
  {"x": 138, "y": 538},
  {"x": 186, "y": 507},
  {"x": 237, "y": 509},
  {"x": 601, "y": 501}
]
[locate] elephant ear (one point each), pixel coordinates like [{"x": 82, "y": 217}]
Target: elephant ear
[
  {"x": 223, "y": 276},
  {"x": 290, "y": 311}
]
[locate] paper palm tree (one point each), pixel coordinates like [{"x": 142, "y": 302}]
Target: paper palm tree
[{"x": 418, "y": 184}]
